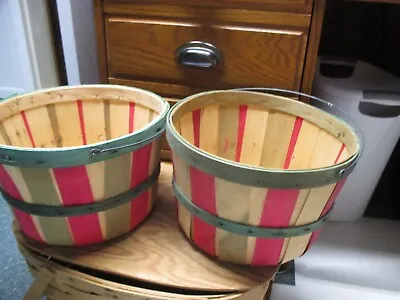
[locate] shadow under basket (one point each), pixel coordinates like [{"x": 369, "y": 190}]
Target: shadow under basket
[
  {"x": 256, "y": 174},
  {"x": 79, "y": 165}
]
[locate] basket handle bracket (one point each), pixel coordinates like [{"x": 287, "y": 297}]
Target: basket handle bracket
[{"x": 99, "y": 151}]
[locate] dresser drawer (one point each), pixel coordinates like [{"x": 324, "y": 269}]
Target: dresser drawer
[
  {"x": 142, "y": 49},
  {"x": 298, "y": 6}
]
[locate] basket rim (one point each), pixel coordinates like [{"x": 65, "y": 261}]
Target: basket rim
[
  {"x": 51, "y": 157},
  {"x": 254, "y": 175}
]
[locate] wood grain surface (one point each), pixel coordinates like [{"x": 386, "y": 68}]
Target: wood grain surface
[
  {"x": 312, "y": 47},
  {"x": 206, "y": 15},
  {"x": 165, "y": 89},
  {"x": 261, "y": 56},
  {"x": 158, "y": 253},
  {"x": 65, "y": 94},
  {"x": 100, "y": 40},
  {"x": 248, "y": 64},
  {"x": 298, "y": 6}
]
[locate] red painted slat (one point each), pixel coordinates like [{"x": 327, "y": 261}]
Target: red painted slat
[
  {"x": 131, "y": 116},
  {"x": 196, "y": 114},
  {"x": 25, "y": 220},
  {"x": 330, "y": 201},
  {"x": 139, "y": 172},
  {"x": 28, "y": 129},
  {"x": 327, "y": 207},
  {"x": 339, "y": 154},
  {"x": 75, "y": 189},
  {"x": 293, "y": 141},
  {"x": 277, "y": 212},
  {"x": 81, "y": 120},
  {"x": 203, "y": 195},
  {"x": 240, "y": 132}
]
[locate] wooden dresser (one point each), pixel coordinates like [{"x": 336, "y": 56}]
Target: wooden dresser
[{"x": 180, "y": 47}]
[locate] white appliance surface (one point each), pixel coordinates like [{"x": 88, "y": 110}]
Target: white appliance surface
[
  {"x": 350, "y": 261},
  {"x": 380, "y": 134}
]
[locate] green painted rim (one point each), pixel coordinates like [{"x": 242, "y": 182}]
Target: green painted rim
[
  {"x": 251, "y": 175},
  {"x": 248, "y": 230},
  {"x": 87, "y": 154},
  {"x": 79, "y": 210}
]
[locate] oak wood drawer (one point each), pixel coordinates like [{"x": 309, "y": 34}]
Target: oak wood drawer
[
  {"x": 144, "y": 49},
  {"x": 263, "y": 42},
  {"x": 298, "y": 6}
]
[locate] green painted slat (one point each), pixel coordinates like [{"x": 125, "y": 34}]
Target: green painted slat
[
  {"x": 99, "y": 206},
  {"x": 41, "y": 187},
  {"x": 117, "y": 180},
  {"x": 244, "y": 229}
]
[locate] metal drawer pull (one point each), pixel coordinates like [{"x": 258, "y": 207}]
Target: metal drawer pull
[{"x": 197, "y": 54}]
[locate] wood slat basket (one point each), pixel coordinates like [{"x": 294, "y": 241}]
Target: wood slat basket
[
  {"x": 256, "y": 174},
  {"x": 60, "y": 281},
  {"x": 79, "y": 165},
  {"x": 151, "y": 264}
]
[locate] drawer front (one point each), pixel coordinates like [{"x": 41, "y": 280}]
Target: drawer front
[
  {"x": 145, "y": 50},
  {"x": 297, "y": 6}
]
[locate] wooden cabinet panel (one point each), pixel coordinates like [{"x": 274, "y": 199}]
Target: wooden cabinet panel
[
  {"x": 206, "y": 15},
  {"x": 263, "y": 43},
  {"x": 145, "y": 50},
  {"x": 164, "y": 89},
  {"x": 298, "y": 6}
]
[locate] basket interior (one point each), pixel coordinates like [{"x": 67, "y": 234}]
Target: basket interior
[
  {"x": 75, "y": 116},
  {"x": 266, "y": 131}
]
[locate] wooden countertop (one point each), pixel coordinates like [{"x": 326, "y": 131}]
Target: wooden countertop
[{"x": 158, "y": 253}]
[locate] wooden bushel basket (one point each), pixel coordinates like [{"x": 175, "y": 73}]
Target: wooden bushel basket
[
  {"x": 155, "y": 263},
  {"x": 59, "y": 281},
  {"x": 256, "y": 174},
  {"x": 79, "y": 165}
]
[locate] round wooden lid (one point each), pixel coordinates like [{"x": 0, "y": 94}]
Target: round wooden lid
[{"x": 158, "y": 253}]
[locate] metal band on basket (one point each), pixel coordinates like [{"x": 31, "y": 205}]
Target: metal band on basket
[
  {"x": 79, "y": 210},
  {"x": 248, "y": 230},
  {"x": 82, "y": 155}
]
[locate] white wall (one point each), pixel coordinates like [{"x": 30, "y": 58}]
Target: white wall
[
  {"x": 15, "y": 68},
  {"x": 78, "y": 39},
  {"x": 27, "y": 58},
  {"x": 26, "y": 53}
]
